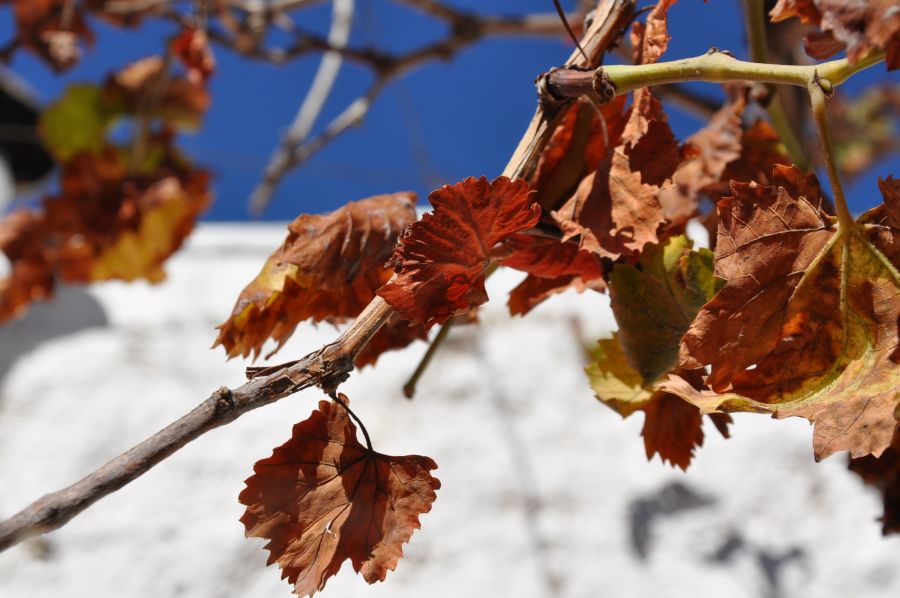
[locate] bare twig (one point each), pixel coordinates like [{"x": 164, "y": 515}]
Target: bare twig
[
  {"x": 313, "y": 103},
  {"x": 327, "y": 367}
]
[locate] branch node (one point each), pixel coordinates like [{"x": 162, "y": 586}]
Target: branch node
[
  {"x": 603, "y": 85},
  {"x": 224, "y": 400}
]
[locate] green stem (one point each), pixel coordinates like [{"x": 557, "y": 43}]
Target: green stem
[
  {"x": 754, "y": 16},
  {"x": 817, "y": 98},
  {"x": 718, "y": 67}
]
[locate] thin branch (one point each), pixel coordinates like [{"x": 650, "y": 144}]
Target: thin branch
[
  {"x": 313, "y": 103},
  {"x": 327, "y": 368}
]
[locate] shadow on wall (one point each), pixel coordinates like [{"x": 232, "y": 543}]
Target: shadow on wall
[{"x": 73, "y": 309}]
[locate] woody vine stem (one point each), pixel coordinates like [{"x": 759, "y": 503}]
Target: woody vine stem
[{"x": 331, "y": 365}]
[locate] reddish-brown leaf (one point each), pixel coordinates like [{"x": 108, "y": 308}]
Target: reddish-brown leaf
[
  {"x": 579, "y": 143},
  {"x": 615, "y": 210},
  {"x": 192, "y": 48},
  {"x": 884, "y": 474},
  {"x": 717, "y": 144},
  {"x": 552, "y": 267},
  {"x": 441, "y": 259},
  {"x": 328, "y": 268},
  {"x": 859, "y": 26},
  {"x": 323, "y": 498}
]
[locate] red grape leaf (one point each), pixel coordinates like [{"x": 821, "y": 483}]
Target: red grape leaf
[
  {"x": 328, "y": 268},
  {"x": 717, "y": 145},
  {"x": 552, "y": 267},
  {"x": 323, "y": 498},
  {"x": 441, "y": 259},
  {"x": 858, "y": 26},
  {"x": 806, "y": 324},
  {"x": 884, "y": 474}
]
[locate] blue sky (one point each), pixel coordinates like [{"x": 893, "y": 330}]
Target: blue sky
[{"x": 441, "y": 123}]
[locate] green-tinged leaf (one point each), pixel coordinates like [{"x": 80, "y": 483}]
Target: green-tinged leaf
[
  {"x": 656, "y": 301},
  {"x": 78, "y": 121}
]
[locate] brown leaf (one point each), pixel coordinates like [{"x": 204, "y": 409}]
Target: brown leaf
[
  {"x": 858, "y": 26},
  {"x": 884, "y": 474},
  {"x": 328, "y": 268},
  {"x": 807, "y": 324},
  {"x": 323, "y": 498},
  {"x": 53, "y": 30},
  {"x": 31, "y": 278},
  {"x": 552, "y": 268},
  {"x": 615, "y": 210},
  {"x": 718, "y": 144},
  {"x": 578, "y": 145},
  {"x": 441, "y": 259}
]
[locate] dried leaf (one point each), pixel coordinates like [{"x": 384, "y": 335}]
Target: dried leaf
[
  {"x": 859, "y": 26},
  {"x": 553, "y": 267},
  {"x": 328, "y": 268},
  {"x": 806, "y": 324},
  {"x": 441, "y": 259},
  {"x": 323, "y": 498},
  {"x": 717, "y": 144},
  {"x": 146, "y": 88},
  {"x": 615, "y": 210},
  {"x": 578, "y": 145}
]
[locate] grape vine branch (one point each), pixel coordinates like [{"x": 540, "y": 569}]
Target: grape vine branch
[{"x": 329, "y": 366}]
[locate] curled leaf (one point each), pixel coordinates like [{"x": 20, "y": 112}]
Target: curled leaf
[
  {"x": 441, "y": 259},
  {"x": 323, "y": 498},
  {"x": 328, "y": 268}
]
